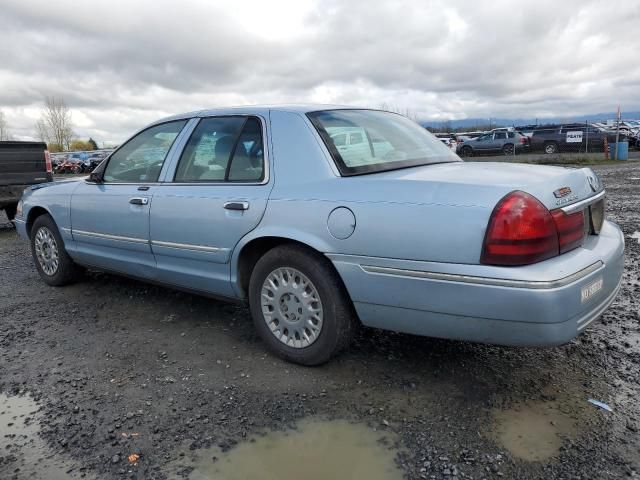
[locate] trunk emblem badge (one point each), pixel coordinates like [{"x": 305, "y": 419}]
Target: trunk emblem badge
[{"x": 564, "y": 191}]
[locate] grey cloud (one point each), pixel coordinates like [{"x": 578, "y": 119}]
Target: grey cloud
[{"x": 117, "y": 64}]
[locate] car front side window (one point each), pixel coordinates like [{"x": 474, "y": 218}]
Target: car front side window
[{"x": 141, "y": 158}]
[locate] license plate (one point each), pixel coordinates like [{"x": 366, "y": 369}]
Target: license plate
[{"x": 590, "y": 290}]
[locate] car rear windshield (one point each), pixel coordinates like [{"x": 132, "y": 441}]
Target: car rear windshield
[{"x": 367, "y": 141}]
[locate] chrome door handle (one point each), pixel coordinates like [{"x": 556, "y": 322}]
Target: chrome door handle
[
  {"x": 236, "y": 205},
  {"x": 139, "y": 201}
]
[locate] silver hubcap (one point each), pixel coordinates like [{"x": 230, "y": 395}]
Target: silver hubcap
[
  {"x": 46, "y": 251},
  {"x": 291, "y": 307}
]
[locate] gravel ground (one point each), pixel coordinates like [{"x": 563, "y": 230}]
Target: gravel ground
[{"x": 110, "y": 367}]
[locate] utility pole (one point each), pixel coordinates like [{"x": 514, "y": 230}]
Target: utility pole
[{"x": 617, "y": 133}]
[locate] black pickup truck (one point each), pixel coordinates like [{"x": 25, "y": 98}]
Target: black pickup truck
[
  {"x": 21, "y": 164},
  {"x": 568, "y": 138}
]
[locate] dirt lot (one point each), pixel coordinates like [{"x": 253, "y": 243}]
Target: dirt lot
[{"x": 106, "y": 369}]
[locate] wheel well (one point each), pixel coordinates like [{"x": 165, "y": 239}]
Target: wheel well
[
  {"x": 254, "y": 250},
  {"x": 34, "y": 213}
]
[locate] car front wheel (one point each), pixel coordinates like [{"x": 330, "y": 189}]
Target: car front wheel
[
  {"x": 466, "y": 152},
  {"x": 551, "y": 148},
  {"x": 299, "y": 305},
  {"x": 53, "y": 263}
]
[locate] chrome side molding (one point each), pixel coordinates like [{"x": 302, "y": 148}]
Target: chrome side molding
[
  {"x": 107, "y": 236},
  {"x": 574, "y": 207},
  {"x": 499, "y": 282}
]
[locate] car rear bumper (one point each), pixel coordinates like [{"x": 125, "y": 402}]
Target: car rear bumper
[{"x": 548, "y": 303}]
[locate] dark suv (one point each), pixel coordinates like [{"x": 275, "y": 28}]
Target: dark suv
[
  {"x": 21, "y": 164},
  {"x": 568, "y": 138},
  {"x": 500, "y": 140}
]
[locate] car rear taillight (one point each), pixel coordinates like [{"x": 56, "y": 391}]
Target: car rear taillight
[
  {"x": 47, "y": 159},
  {"x": 523, "y": 231},
  {"x": 571, "y": 229},
  {"x": 523, "y": 140}
]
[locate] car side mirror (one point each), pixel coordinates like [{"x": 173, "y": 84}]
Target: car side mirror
[{"x": 95, "y": 177}]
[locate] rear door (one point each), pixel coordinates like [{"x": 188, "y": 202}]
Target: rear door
[
  {"x": 216, "y": 194},
  {"x": 499, "y": 139},
  {"x": 110, "y": 220}
]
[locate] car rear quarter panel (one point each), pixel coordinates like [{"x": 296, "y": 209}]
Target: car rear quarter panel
[{"x": 412, "y": 220}]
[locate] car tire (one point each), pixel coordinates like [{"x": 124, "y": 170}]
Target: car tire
[
  {"x": 466, "y": 151},
  {"x": 508, "y": 149},
  {"x": 10, "y": 211},
  {"x": 53, "y": 263},
  {"x": 550, "y": 148},
  {"x": 309, "y": 290}
]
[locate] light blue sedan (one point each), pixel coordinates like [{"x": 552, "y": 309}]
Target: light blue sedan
[{"x": 323, "y": 218}]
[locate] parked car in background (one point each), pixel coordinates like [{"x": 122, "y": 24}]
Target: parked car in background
[
  {"x": 21, "y": 164},
  {"x": 497, "y": 141},
  {"x": 569, "y": 138},
  {"x": 260, "y": 204},
  {"x": 72, "y": 164},
  {"x": 94, "y": 160}
]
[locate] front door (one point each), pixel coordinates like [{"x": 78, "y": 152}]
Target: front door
[
  {"x": 217, "y": 195},
  {"x": 483, "y": 143},
  {"x": 110, "y": 220}
]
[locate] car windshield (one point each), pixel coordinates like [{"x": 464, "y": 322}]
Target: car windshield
[{"x": 367, "y": 141}]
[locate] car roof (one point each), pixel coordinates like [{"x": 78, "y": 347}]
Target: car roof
[{"x": 259, "y": 110}]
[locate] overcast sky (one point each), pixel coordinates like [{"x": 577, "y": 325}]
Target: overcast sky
[{"x": 121, "y": 64}]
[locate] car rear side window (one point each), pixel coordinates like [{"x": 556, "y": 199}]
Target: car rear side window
[
  {"x": 223, "y": 149},
  {"x": 500, "y": 135},
  {"x": 378, "y": 141},
  {"x": 141, "y": 158}
]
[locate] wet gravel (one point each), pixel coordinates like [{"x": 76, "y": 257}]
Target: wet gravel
[{"x": 118, "y": 368}]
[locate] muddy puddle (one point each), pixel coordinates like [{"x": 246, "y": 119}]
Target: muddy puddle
[
  {"x": 315, "y": 450},
  {"x": 534, "y": 431},
  {"x": 23, "y": 454}
]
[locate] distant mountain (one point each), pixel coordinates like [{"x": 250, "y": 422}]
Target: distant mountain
[{"x": 483, "y": 123}]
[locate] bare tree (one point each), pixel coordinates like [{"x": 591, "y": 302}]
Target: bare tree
[
  {"x": 407, "y": 112},
  {"x": 4, "y": 129},
  {"x": 41, "y": 131},
  {"x": 55, "y": 125}
]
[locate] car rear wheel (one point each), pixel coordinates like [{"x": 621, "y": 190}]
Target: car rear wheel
[
  {"x": 299, "y": 305},
  {"x": 53, "y": 263},
  {"x": 551, "y": 148},
  {"x": 466, "y": 152},
  {"x": 508, "y": 149}
]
